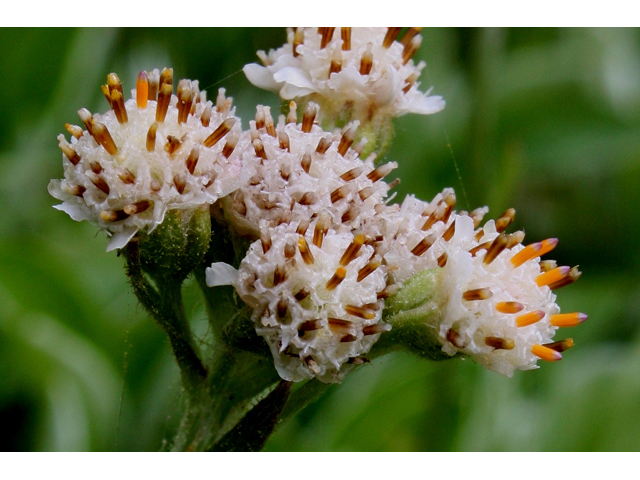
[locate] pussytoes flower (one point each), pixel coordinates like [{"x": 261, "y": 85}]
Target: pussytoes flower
[
  {"x": 494, "y": 296},
  {"x": 303, "y": 172},
  {"x": 353, "y": 73},
  {"x": 314, "y": 297},
  {"x": 150, "y": 154}
]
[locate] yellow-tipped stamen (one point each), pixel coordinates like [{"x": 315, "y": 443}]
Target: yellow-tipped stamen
[
  {"x": 477, "y": 294},
  {"x": 151, "y": 137},
  {"x": 305, "y": 252},
  {"x": 126, "y": 176},
  {"x": 352, "y": 250},
  {"x": 361, "y": 312},
  {"x": 561, "y": 345},
  {"x": 337, "y": 278},
  {"x": 117, "y": 103},
  {"x": 552, "y": 276},
  {"x": 455, "y": 338},
  {"x": 526, "y": 254},
  {"x": 423, "y": 246},
  {"x": 572, "y": 276},
  {"x": 546, "y": 265},
  {"x": 496, "y": 248},
  {"x": 107, "y": 93},
  {"x": 327, "y": 35},
  {"x": 509, "y": 307},
  {"x": 368, "y": 269},
  {"x": 298, "y": 39},
  {"x": 103, "y": 136},
  {"x": 87, "y": 119},
  {"x": 309, "y": 117},
  {"x": 366, "y": 62},
  {"x": 137, "y": 207},
  {"x": 500, "y": 343},
  {"x": 219, "y": 132},
  {"x": 192, "y": 159},
  {"x": 74, "y": 130},
  {"x": 142, "y": 90},
  {"x": 351, "y": 174},
  {"x": 345, "y": 34},
  {"x": 390, "y": 36},
  {"x": 546, "y": 353},
  {"x": 529, "y": 318},
  {"x": 114, "y": 83},
  {"x": 164, "y": 97},
  {"x": 166, "y": 78},
  {"x": 567, "y": 319},
  {"x": 113, "y": 215}
]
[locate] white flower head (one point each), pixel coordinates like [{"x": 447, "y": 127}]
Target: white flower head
[
  {"x": 302, "y": 172},
  {"x": 147, "y": 155},
  {"x": 314, "y": 298},
  {"x": 495, "y": 296},
  {"x": 361, "y": 70}
]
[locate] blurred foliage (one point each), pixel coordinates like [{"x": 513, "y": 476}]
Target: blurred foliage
[{"x": 542, "y": 120}]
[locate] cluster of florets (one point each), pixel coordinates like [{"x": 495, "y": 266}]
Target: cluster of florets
[{"x": 326, "y": 247}]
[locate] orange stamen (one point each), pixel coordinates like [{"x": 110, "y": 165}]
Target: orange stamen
[
  {"x": 546, "y": 353},
  {"x": 552, "y": 276},
  {"x": 567, "y": 319},
  {"x": 142, "y": 90},
  {"x": 529, "y": 318},
  {"x": 509, "y": 307}
]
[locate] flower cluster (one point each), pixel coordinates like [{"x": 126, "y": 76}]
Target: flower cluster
[{"x": 328, "y": 253}]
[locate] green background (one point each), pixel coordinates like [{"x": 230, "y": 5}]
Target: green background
[{"x": 542, "y": 120}]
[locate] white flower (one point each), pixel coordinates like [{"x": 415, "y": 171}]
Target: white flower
[
  {"x": 359, "y": 70},
  {"x": 314, "y": 298},
  {"x": 303, "y": 172},
  {"x": 495, "y": 296},
  {"x": 153, "y": 153}
]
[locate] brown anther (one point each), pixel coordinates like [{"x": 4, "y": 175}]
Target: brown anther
[
  {"x": 433, "y": 218},
  {"x": 107, "y": 93},
  {"x": 560, "y": 346},
  {"x": 95, "y": 167},
  {"x": 258, "y": 146},
  {"x": 368, "y": 269},
  {"x": 345, "y": 34},
  {"x": 500, "y": 343},
  {"x": 348, "y": 338},
  {"x": 283, "y": 138},
  {"x": 323, "y": 144},
  {"x": 483, "y": 246},
  {"x": 336, "y": 62},
  {"x": 394, "y": 183},
  {"x": 410, "y": 82},
  {"x": 327, "y": 35},
  {"x": 382, "y": 294},
  {"x": 100, "y": 183},
  {"x": 305, "y": 163},
  {"x": 308, "y": 117},
  {"x": 305, "y": 252},
  {"x": 423, "y": 246},
  {"x": 375, "y": 329},
  {"x": 173, "y": 144},
  {"x": 126, "y": 176},
  {"x": 496, "y": 247},
  {"x": 289, "y": 250},
  {"x": 155, "y": 185},
  {"x": 302, "y": 294},
  {"x": 220, "y": 132},
  {"x": 391, "y": 35},
  {"x": 69, "y": 152},
  {"x": 516, "y": 238},
  {"x": 450, "y": 201},
  {"x": 408, "y": 36},
  {"x": 87, "y": 119},
  {"x": 313, "y": 366},
  {"x": 221, "y": 100},
  {"x": 76, "y": 190},
  {"x": 339, "y": 324},
  {"x": 268, "y": 123},
  {"x": 114, "y": 83},
  {"x": 352, "y": 250},
  {"x": 360, "y": 312},
  {"x": 151, "y": 137},
  {"x": 366, "y": 62},
  {"x": 192, "y": 159},
  {"x": 411, "y": 48},
  {"x": 350, "y": 214},
  {"x": 505, "y": 220},
  {"x": 205, "y": 118},
  {"x": 546, "y": 265},
  {"x": 303, "y": 226},
  {"x": 339, "y": 193},
  {"x": 180, "y": 181},
  {"x": 164, "y": 97},
  {"x": 74, "y": 130},
  {"x": 265, "y": 240},
  {"x": 380, "y": 172},
  {"x": 142, "y": 90},
  {"x": 442, "y": 260},
  {"x": 103, "y": 137},
  {"x": 185, "y": 100},
  {"x": 279, "y": 275},
  {"x": 455, "y": 338},
  {"x": 351, "y": 174},
  {"x": 153, "y": 85},
  {"x": 281, "y": 308},
  {"x": 137, "y": 207},
  {"x": 346, "y": 141},
  {"x": 239, "y": 206},
  {"x": 571, "y": 277},
  {"x": 166, "y": 77},
  {"x": 337, "y": 278},
  {"x": 320, "y": 229},
  {"x": 285, "y": 170},
  {"x": 477, "y": 215},
  {"x": 358, "y": 360},
  {"x": 259, "y": 117},
  {"x": 292, "y": 116},
  {"x": 298, "y": 39},
  {"x": 113, "y": 215},
  {"x": 309, "y": 326},
  {"x": 117, "y": 103},
  {"x": 308, "y": 198},
  {"x": 477, "y": 294},
  {"x": 448, "y": 233}
]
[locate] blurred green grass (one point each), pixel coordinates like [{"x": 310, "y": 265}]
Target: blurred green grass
[{"x": 542, "y": 120}]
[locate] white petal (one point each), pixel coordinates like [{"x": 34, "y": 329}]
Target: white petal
[
  {"x": 221, "y": 274},
  {"x": 260, "y": 76},
  {"x": 297, "y": 82},
  {"x": 120, "y": 239},
  {"x": 76, "y": 212}
]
